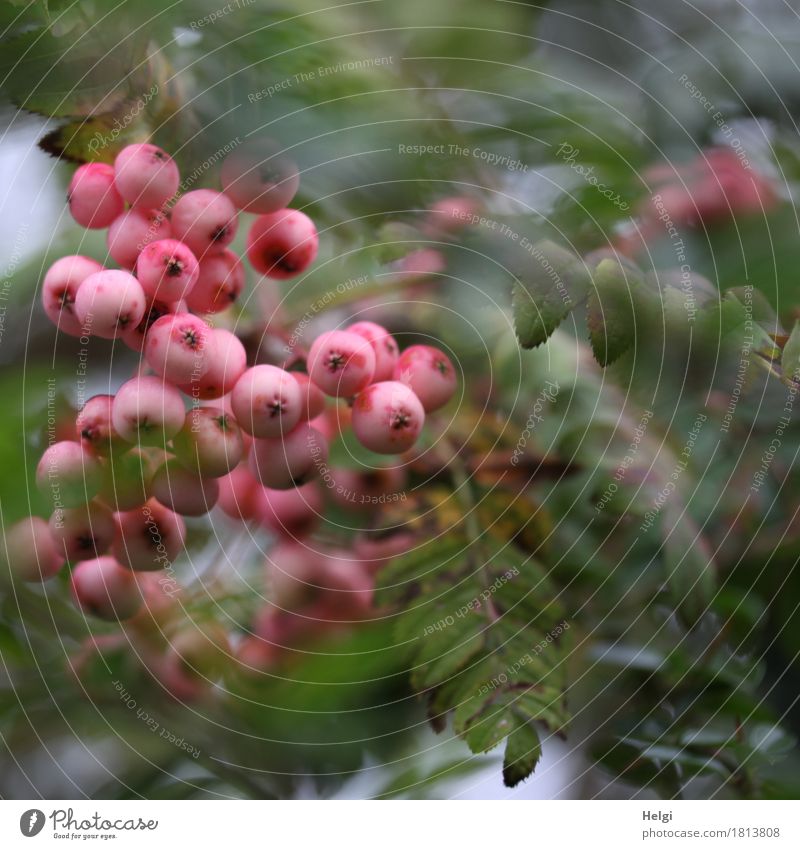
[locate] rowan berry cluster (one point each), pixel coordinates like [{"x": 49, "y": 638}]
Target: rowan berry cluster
[{"x": 196, "y": 426}]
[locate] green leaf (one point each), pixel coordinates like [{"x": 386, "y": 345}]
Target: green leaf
[
  {"x": 558, "y": 280},
  {"x": 547, "y": 706},
  {"x": 610, "y": 314},
  {"x": 489, "y": 729},
  {"x": 446, "y": 652},
  {"x": 761, "y": 308},
  {"x": 689, "y": 564},
  {"x": 463, "y": 692},
  {"x": 523, "y": 751},
  {"x": 69, "y": 76},
  {"x": 397, "y": 579},
  {"x": 97, "y": 139},
  {"x": 790, "y": 359}
]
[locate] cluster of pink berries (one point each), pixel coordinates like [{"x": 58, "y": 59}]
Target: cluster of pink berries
[
  {"x": 253, "y": 439},
  {"x": 173, "y": 254}
]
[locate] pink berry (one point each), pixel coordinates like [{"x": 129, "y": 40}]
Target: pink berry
[
  {"x": 132, "y": 231},
  {"x": 333, "y": 588},
  {"x": 149, "y": 537},
  {"x": 28, "y": 551},
  {"x": 713, "y": 186},
  {"x": 108, "y": 302},
  {"x": 128, "y": 476},
  {"x": 291, "y": 512},
  {"x": 167, "y": 270},
  {"x": 93, "y": 425},
  {"x": 205, "y": 220},
  {"x": 241, "y": 496},
  {"x": 255, "y": 656},
  {"x": 420, "y": 264},
  {"x": 290, "y": 460},
  {"x": 383, "y": 345},
  {"x": 219, "y": 283},
  {"x": 93, "y": 199},
  {"x": 209, "y": 443},
  {"x": 145, "y": 175},
  {"x": 388, "y": 417},
  {"x": 429, "y": 372},
  {"x": 266, "y": 401},
  {"x": 162, "y": 602},
  {"x": 103, "y": 588},
  {"x": 81, "y": 533},
  {"x": 146, "y": 411},
  {"x": 60, "y": 287},
  {"x": 282, "y": 630},
  {"x": 348, "y": 590},
  {"x": 282, "y": 244},
  {"x": 259, "y": 180},
  {"x": 134, "y": 337},
  {"x": 183, "y": 491},
  {"x": 334, "y": 422},
  {"x": 226, "y": 362},
  {"x": 293, "y": 573},
  {"x": 69, "y": 474},
  {"x": 312, "y": 399},
  {"x": 341, "y": 363},
  {"x": 177, "y": 681},
  {"x": 449, "y": 215},
  {"x": 175, "y": 348}
]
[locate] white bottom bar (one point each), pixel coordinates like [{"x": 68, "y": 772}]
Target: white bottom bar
[{"x": 394, "y": 825}]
